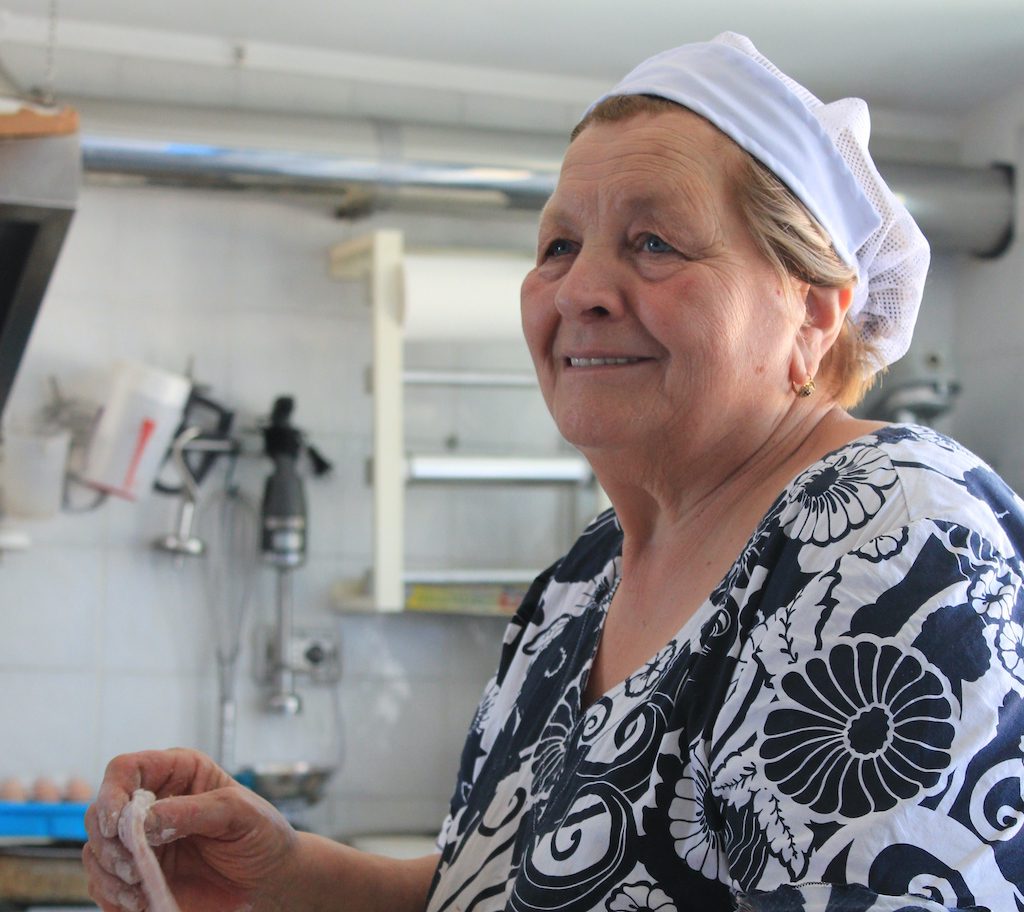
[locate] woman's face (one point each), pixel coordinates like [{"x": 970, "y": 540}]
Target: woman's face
[{"x": 651, "y": 316}]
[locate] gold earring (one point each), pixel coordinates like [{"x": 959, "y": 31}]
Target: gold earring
[{"x": 808, "y": 387}]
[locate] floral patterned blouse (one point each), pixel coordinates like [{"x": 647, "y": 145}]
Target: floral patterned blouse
[{"x": 839, "y": 727}]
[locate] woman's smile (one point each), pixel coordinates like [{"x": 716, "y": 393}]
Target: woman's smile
[{"x": 603, "y": 361}]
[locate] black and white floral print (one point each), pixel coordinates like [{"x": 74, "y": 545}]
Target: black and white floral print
[
  {"x": 696, "y": 839},
  {"x": 839, "y": 727},
  {"x": 1011, "y": 648},
  {"x": 861, "y": 729},
  {"x": 640, "y": 897},
  {"x": 840, "y": 493},
  {"x": 549, "y": 753},
  {"x": 995, "y": 592},
  {"x": 647, "y": 677}
]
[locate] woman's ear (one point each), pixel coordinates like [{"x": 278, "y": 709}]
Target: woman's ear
[{"x": 825, "y": 311}]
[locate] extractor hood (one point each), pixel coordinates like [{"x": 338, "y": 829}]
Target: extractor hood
[{"x": 39, "y": 180}]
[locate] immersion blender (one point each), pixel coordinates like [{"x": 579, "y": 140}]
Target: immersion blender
[{"x": 283, "y": 537}]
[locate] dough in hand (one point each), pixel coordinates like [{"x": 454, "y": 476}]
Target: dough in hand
[{"x": 132, "y": 832}]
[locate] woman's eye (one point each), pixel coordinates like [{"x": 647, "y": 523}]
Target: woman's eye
[
  {"x": 558, "y": 247},
  {"x": 654, "y": 244}
]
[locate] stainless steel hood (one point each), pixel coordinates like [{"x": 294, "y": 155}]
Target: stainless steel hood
[
  {"x": 39, "y": 180},
  {"x": 960, "y": 209}
]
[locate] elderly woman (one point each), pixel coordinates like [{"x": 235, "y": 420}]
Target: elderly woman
[{"x": 787, "y": 671}]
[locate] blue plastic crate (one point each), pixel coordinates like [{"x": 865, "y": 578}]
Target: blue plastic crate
[{"x": 42, "y": 820}]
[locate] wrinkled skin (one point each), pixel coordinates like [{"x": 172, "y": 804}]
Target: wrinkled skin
[{"x": 237, "y": 857}]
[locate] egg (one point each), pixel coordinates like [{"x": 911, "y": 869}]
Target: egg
[
  {"x": 45, "y": 790},
  {"x": 77, "y": 791},
  {"x": 12, "y": 789}
]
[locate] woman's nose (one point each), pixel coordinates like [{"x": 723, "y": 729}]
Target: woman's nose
[{"x": 590, "y": 288}]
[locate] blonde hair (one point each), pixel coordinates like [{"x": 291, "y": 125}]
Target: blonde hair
[{"x": 788, "y": 236}]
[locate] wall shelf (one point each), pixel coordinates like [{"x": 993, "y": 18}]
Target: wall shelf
[
  {"x": 468, "y": 378},
  {"x": 498, "y": 469},
  {"x": 378, "y": 259}
]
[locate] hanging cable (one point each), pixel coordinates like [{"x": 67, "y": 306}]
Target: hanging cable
[{"x": 48, "y": 92}]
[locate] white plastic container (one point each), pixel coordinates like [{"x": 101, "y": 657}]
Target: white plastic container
[
  {"x": 134, "y": 429},
  {"x": 34, "y": 463}
]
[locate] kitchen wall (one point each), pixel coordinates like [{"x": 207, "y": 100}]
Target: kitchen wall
[
  {"x": 106, "y": 645},
  {"x": 990, "y": 308}
]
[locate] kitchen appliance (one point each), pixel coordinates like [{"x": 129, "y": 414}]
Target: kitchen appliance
[
  {"x": 283, "y": 541},
  {"x": 916, "y": 401},
  {"x": 918, "y": 389},
  {"x": 228, "y": 521},
  {"x": 203, "y": 436},
  {"x": 287, "y": 783},
  {"x": 133, "y": 429},
  {"x": 283, "y": 537},
  {"x": 39, "y": 180},
  {"x": 293, "y": 788}
]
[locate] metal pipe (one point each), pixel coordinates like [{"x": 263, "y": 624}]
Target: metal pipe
[
  {"x": 966, "y": 210},
  {"x": 270, "y": 169},
  {"x": 283, "y": 698},
  {"x": 960, "y": 209},
  {"x": 228, "y": 713}
]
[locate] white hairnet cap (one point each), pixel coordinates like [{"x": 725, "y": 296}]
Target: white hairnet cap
[{"x": 820, "y": 151}]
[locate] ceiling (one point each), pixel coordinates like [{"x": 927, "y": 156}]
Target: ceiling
[{"x": 528, "y": 63}]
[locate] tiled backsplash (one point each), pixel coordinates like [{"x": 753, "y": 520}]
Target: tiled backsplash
[{"x": 107, "y": 646}]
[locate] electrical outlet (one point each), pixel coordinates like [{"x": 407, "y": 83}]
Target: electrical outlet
[
  {"x": 312, "y": 655},
  {"x": 316, "y": 653}
]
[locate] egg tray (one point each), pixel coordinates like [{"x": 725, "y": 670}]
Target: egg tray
[{"x": 40, "y": 820}]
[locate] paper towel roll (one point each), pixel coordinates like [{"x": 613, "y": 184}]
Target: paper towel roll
[{"x": 463, "y": 295}]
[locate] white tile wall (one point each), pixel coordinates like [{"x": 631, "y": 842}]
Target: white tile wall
[
  {"x": 143, "y": 710},
  {"x": 989, "y": 414},
  {"x": 150, "y": 601},
  {"x": 107, "y": 645},
  {"x": 52, "y": 599},
  {"x": 989, "y": 322},
  {"x": 52, "y": 720}
]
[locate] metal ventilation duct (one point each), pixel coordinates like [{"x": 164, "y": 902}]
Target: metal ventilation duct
[
  {"x": 964, "y": 210},
  {"x": 199, "y": 165}
]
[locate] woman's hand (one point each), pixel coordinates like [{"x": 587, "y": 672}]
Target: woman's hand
[{"x": 220, "y": 845}]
